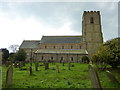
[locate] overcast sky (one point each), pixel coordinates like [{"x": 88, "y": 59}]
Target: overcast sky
[{"x": 31, "y": 20}]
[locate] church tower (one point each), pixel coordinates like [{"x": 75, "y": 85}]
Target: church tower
[{"x": 91, "y": 31}]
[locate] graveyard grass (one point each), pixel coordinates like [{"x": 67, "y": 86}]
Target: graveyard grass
[{"x": 77, "y": 77}]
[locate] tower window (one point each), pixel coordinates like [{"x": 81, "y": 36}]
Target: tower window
[
  {"x": 62, "y": 47},
  {"x": 92, "y": 20},
  {"x": 71, "y": 47}
]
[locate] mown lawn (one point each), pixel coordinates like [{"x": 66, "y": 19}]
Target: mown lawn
[{"x": 77, "y": 77}]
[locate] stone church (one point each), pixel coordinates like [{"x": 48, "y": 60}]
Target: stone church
[{"x": 68, "y": 48}]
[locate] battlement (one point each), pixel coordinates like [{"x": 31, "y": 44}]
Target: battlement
[{"x": 91, "y": 12}]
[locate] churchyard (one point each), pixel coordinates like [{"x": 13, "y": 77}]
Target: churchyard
[{"x": 59, "y": 75}]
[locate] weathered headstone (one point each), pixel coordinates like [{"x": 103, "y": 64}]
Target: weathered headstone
[
  {"x": 69, "y": 66},
  {"x": 94, "y": 77},
  {"x": 57, "y": 68},
  {"x": 46, "y": 65},
  {"x": 63, "y": 63},
  {"x": 36, "y": 66},
  {"x": 9, "y": 76},
  {"x": 0, "y": 80},
  {"x": 31, "y": 70},
  {"x": 111, "y": 77}
]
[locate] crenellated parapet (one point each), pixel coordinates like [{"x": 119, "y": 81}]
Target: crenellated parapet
[{"x": 92, "y": 12}]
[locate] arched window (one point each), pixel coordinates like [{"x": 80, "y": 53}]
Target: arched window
[
  {"x": 45, "y": 46},
  {"x": 42, "y": 57},
  {"x": 62, "y": 47},
  {"x": 91, "y": 20},
  {"x": 71, "y": 58},
  {"x": 53, "y": 46},
  {"x": 61, "y": 58},
  {"x": 80, "y": 47},
  {"x": 51, "y": 58},
  {"x": 71, "y": 47}
]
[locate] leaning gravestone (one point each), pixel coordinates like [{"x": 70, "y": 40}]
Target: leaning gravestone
[
  {"x": 57, "y": 68},
  {"x": 111, "y": 77},
  {"x": 46, "y": 65},
  {"x": 94, "y": 77},
  {"x": 9, "y": 76},
  {"x": 0, "y": 79}
]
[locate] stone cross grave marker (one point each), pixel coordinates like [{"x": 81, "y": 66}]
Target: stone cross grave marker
[
  {"x": 94, "y": 77},
  {"x": 9, "y": 76},
  {"x": 111, "y": 77},
  {"x": 57, "y": 68}
]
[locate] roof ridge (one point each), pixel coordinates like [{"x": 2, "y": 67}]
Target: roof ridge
[
  {"x": 65, "y": 36},
  {"x": 31, "y": 40}
]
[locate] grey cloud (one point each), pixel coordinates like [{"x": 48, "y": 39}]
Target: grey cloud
[{"x": 56, "y": 14}]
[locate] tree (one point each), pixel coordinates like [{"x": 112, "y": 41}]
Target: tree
[
  {"x": 14, "y": 48},
  {"x": 12, "y": 57},
  {"x": 5, "y": 54},
  {"x": 21, "y": 55},
  {"x": 85, "y": 59},
  {"x": 108, "y": 53}
]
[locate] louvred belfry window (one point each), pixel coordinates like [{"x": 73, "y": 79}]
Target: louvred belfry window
[{"x": 92, "y": 20}]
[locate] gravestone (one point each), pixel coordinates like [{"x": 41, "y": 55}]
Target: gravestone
[
  {"x": 57, "y": 68},
  {"x": 46, "y": 65},
  {"x": 63, "y": 63},
  {"x": 111, "y": 77},
  {"x": 94, "y": 77},
  {"x": 0, "y": 80},
  {"x": 36, "y": 66},
  {"x": 9, "y": 76},
  {"x": 30, "y": 70},
  {"x": 69, "y": 66}
]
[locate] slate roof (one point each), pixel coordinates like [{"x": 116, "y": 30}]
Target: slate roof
[
  {"x": 61, "y": 39},
  {"x": 30, "y": 44},
  {"x": 62, "y": 51}
]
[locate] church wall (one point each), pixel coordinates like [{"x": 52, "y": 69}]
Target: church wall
[
  {"x": 61, "y": 46},
  {"x": 28, "y": 52},
  {"x": 59, "y": 57}
]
